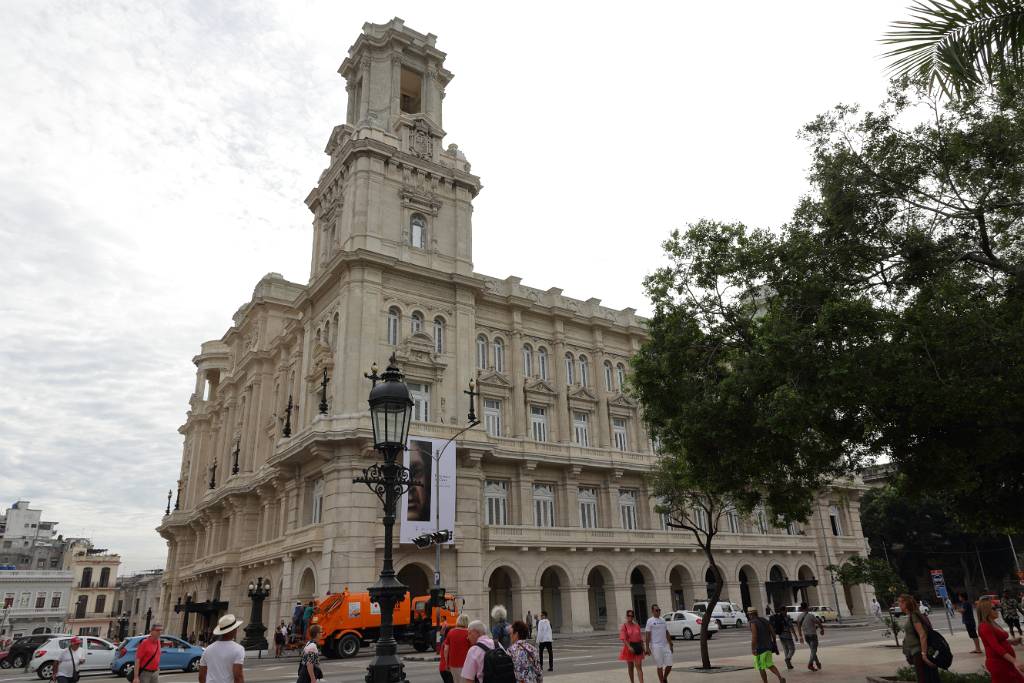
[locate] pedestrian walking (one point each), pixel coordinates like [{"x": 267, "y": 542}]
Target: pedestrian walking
[
  {"x": 309, "y": 663},
  {"x": 482, "y": 645},
  {"x": 544, "y": 640},
  {"x": 69, "y": 663},
  {"x": 1010, "y": 607},
  {"x": 876, "y": 609},
  {"x": 501, "y": 630},
  {"x": 810, "y": 626},
  {"x": 147, "y": 657},
  {"x": 525, "y": 661},
  {"x": 223, "y": 660},
  {"x": 297, "y": 612},
  {"x": 763, "y": 646},
  {"x": 785, "y": 629},
  {"x": 455, "y": 647},
  {"x": 307, "y": 618},
  {"x": 1000, "y": 657},
  {"x": 966, "y": 609},
  {"x": 658, "y": 646},
  {"x": 280, "y": 638},
  {"x": 529, "y": 622},
  {"x": 632, "y": 652},
  {"x": 915, "y": 640}
]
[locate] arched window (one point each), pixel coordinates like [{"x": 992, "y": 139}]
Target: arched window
[
  {"x": 608, "y": 386},
  {"x": 394, "y": 319},
  {"x": 416, "y": 322},
  {"x": 620, "y": 370},
  {"x": 542, "y": 363},
  {"x": 570, "y": 369},
  {"x": 438, "y": 335},
  {"x": 499, "y": 356},
  {"x": 418, "y": 231},
  {"x": 334, "y": 332},
  {"x": 481, "y": 352},
  {"x": 528, "y": 361},
  {"x": 327, "y": 332},
  {"x": 584, "y": 371}
]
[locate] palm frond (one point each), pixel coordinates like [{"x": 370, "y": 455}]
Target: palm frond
[{"x": 957, "y": 43}]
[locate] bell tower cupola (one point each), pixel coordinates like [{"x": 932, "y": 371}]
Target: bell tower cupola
[{"x": 391, "y": 187}]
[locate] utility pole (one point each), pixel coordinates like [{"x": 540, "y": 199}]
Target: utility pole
[
  {"x": 984, "y": 580},
  {"x": 1013, "y": 551},
  {"x": 828, "y": 559}
]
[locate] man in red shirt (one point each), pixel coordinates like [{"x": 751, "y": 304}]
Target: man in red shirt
[{"x": 147, "y": 657}]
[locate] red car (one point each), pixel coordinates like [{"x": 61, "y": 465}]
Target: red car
[{"x": 4, "y": 664}]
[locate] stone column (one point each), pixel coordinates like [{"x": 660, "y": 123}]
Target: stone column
[
  {"x": 579, "y": 601},
  {"x": 287, "y": 589},
  {"x": 662, "y": 594},
  {"x": 623, "y": 601},
  {"x": 523, "y": 501},
  {"x": 612, "y": 481},
  {"x": 518, "y": 412},
  {"x": 571, "y": 515},
  {"x": 468, "y": 523},
  {"x": 561, "y": 386},
  {"x": 603, "y": 423},
  {"x": 526, "y": 598}
]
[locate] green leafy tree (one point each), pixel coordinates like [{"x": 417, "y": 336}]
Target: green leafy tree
[
  {"x": 957, "y": 44},
  {"x": 730, "y": 430},
  {"x": 876, "y": 573}
]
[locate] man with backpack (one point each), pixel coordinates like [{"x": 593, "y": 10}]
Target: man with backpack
[{"x": 486, "y": 661}]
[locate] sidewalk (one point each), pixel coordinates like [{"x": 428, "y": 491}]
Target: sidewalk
[{"x": 841, "y": 664}]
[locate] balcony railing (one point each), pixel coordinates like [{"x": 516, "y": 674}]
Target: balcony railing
[{"x": 578, "y": 537}]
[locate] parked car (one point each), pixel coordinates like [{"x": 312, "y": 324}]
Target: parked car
[
  {"x": 794, "y": 612},
  {"x": 22, "y": 648},
  {"x": 175, "y": 653},
  {"x": 687, "y": 625},
  {"x": 98, "y": 655},
  {"x": 726, "y": 613},
  {"x": 824, "y": 612},
  {"x": 4, "y": 664}
]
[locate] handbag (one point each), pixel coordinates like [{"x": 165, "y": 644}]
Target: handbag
[
  {"x": 636, "y": 647},
  {"x": 74, "y": 669}
]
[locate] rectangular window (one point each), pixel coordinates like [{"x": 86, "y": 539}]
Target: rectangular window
[
  {"x": 420, "y": 394},
  {"x": 539, "y": 423},
  {"x": 732, "y": 521},
  {"x": 588, "y": 508},
  {"x": 627, "y": 509},
  {"x": 101, "y": 603},
  {"x": 543, "y": 505},
  {"x": 700, "y": 518},
  {"x": 8, "y": 600},
  {"x": 492, "y": 417},
  {"x": 833, "y": 518},
  {"x": 318, "y": 501},
  {"x": 393, "y": 328},
  {"x": 582, "y": 431},
  {"x": 410, "y": 91},
  {"x": 24, "y": 600},
  {"x": 496, "y": 502},
  {"x": 619, "y": 432},
  {"x": 41, "y": 600},
  {"x": 55, "y": 600},
  {"x": 793, "y": 529},
  {"x": 761, "y": 521}
]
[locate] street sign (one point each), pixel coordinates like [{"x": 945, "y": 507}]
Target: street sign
[
  {"x": 437, "y": 578},
  {"x": 939, "y": 583}
]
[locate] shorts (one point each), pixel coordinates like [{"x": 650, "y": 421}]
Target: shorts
[
  {"x": 662, "y": 655},
  {"x": 763, "y": 661}
]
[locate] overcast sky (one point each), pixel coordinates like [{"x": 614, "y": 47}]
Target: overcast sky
[{"x": 154, "y": 157}]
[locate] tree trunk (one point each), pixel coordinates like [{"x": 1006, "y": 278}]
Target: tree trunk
[{"x": 716, "y": 592}]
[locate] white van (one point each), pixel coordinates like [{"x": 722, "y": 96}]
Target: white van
[{"x": 726, "y": 613}]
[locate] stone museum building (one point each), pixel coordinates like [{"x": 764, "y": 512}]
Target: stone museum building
[{"x": 552, "y": 508}]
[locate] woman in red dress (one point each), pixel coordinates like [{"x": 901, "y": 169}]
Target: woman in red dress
[
  {"x": 632, "y": 644},
  {"x": 1000, "y": 659}
]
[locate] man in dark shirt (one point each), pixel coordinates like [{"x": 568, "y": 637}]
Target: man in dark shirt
[
  {"x": 762, "y": 646},
  {"x": 786, "y": 630}
]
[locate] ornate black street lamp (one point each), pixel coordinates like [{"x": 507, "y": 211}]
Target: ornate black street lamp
[
  {"x": 254, "y": 638},
  {"x": 238, "y": 447},
  {"x": 177, "y": 498},
  {"x": 149, "y": 617},
  {"x": 169, "y": 494},
  {"x": 122, "y": 626},
  {"x": 213, "y": 476},
  {"x": 390, "y": 414},
  {"x": 287, "y": 431},
  {"x": 323, "y": 393}
]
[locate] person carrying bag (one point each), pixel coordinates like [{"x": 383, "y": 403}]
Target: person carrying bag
[{"x": 309, "y": 664}]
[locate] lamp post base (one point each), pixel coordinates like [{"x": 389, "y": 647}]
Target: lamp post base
[{"x": 254, "y": 638}]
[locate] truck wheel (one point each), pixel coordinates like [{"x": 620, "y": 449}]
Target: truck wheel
[
  {"x": 348, "y": 646},
  {"x": 421, "y": 645}
]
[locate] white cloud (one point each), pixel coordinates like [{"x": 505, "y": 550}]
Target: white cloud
[{"x": 156, "y": 155}]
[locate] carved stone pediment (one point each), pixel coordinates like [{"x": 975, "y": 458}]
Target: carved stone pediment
[
  {"x": 540, "y": 386},
  {"x": 494, "y": 379},
  {"x": 323, "y": 358},
  {"x": 622, "y": 401},
  {"x": 582, "y": 394},
  {"x": 417, "y": 200},
  {"x": 416, "y": 357}
]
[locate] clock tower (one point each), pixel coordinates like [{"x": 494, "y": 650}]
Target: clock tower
[{"x": 391, "y": 188}]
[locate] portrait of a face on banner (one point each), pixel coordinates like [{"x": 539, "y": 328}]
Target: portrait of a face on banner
[{"x": 421, "y": 504}]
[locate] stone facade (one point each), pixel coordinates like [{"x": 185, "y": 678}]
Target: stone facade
[
  {"x": 33, "y": 601},
  {"x": 137, "y": 599},
  {"x": 552, "y": 507}
]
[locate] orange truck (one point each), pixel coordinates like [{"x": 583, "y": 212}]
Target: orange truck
[{"x": 348, "y": 621}]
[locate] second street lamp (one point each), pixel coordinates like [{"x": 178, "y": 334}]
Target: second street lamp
[
  {"x": 390, "y": 414},
  {"x": 254, "y": 638}
]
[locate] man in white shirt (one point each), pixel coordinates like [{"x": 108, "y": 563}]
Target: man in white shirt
[
  {"x": 544, "y": 640},
  {"x": 659, "y": 645},
  {"x": 222, "y": 661},
  {"x": 69, "y": 662}
]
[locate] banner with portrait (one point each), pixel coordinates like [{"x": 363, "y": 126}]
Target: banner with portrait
[{"x": 436, "y": 494}]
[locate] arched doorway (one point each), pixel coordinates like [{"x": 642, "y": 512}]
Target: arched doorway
[
  {"x": 500, "y": 587},
  {"x": 680, "y": 582},
  {"x": 598, "y": 579},
  {"x": 307, "y": 586},
  {"x": 639, "y": 581},
  {"x": 750, "y": 591},
  {"x": 808, "y": 591},
  {"x": 776, "y": 587},
  {"x": 553, "y": 594},
  {"x": 415, "y": 578}
]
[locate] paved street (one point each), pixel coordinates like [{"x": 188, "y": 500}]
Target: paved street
[{"x": 597, "y": 652}]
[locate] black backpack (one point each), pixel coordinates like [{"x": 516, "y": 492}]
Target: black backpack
[
  {"x": 498, "y": 667},
  {"x": 938, "y": 650}
]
